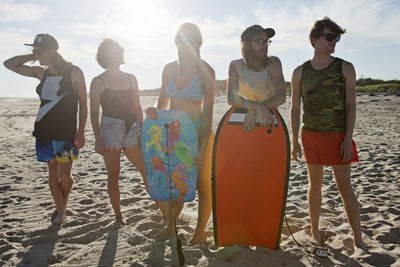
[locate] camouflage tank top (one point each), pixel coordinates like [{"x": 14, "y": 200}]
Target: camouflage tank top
[{"x": 323, "y": 96}]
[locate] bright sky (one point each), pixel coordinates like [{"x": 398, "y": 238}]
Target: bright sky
[{"x": 146, "y": 29}]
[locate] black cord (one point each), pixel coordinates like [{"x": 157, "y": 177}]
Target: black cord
[
  {"x": 301, "y": 247},
  {"x": 179, "y": 249}
]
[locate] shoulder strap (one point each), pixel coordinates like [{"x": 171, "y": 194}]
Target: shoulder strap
[
  {"x": 102, "y": 82},
  {"x": 45, "y": 74},
  {"x": 130, "y": 80}
]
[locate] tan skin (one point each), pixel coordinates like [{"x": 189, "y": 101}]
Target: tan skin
[
  {"x": 322, "y": 59},
  {"x": 196, "y": 109},
  {"x": 256, "y": 63},
  {"x": 115, "y": 79},
  {"x": 60, "y": 178}
]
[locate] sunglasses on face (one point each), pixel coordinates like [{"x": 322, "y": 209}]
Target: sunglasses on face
[
  {"x": 330, "y": 37},
  {"x": 262, "y": 41}
]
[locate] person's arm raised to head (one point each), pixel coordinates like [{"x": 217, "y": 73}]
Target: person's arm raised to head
[
  {"x": 295, "y": 112},
  {"x": 79, "y": 85},
  {"x": 17, "y": 64}
]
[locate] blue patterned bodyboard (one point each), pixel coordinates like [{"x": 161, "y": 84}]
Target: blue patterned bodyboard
[{"x": 168, "y": 156}]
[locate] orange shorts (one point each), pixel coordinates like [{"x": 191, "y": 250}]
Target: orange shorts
[{"x": 324, "y": 148}]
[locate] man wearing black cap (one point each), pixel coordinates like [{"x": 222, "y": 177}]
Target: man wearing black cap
[
  {"x": 256, "y": 81},
  {"x": 62, "y": 87}
]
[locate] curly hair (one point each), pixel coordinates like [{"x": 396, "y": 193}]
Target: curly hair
[{"x": 324, "y": 23}]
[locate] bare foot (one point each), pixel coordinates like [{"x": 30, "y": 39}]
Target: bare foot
[
  {"x": 317, "y": 237},
  {"x": 120, "y": 221},
  {"x": 55, "y": 213},
  {"x": 359, "y": 244},
  {"x": 59, "y": 219},
  {"x": 164, "y": 234},
  {"x": 198, "y": 238}
]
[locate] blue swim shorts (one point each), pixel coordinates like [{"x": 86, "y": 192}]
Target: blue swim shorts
[
  {"x": 60, "y": 151},
  {"x": 114, "y": 133}
]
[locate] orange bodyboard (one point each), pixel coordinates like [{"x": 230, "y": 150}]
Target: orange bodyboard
[{"x": 250, "y": 177}]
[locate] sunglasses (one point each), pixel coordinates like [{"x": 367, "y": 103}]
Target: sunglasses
[
  {"x": 262, "y": 41},
  {"x": 330, "y": 37}
]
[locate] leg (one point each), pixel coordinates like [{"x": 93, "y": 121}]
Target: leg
[
  {"x": 316, "y": 175},
  {"x": 350, "y": 202},
  {"x": 135, "y": 156},
  {"x": 112, "y": 159},
  {"x": 65, "y": 183},
  {"x": 56, "y": 190},
  {"x": 170, "y": 212},
  {"x": 204, "y": 194}
]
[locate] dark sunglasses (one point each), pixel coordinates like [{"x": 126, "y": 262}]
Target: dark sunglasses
[
  {"x": 262, "y": 41},
  {"x": 330, "y": 37}
]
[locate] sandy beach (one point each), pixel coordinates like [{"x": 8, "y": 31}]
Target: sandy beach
[{"x": 91, "y": 238}]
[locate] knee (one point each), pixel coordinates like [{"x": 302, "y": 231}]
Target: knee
[
  {"x": 67, "y": 179},
  {"x": 53, "y": 177}
]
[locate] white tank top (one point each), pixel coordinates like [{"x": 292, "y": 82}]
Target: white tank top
[{"x": 253, "y": 85}]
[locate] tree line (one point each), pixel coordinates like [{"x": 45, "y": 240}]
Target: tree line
[{"x": 364, "y": 85}]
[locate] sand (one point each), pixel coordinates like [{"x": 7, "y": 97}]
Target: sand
[{"x": 91, "y": 238}]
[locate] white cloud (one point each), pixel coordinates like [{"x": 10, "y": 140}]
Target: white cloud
[
  {"x": 11, "y": 12},
  {"x": 366, "y": 22}
]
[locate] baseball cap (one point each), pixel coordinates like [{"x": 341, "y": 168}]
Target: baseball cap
[
  {"x": 44, "y": 40},
  {"x": 253, "y": 30}
]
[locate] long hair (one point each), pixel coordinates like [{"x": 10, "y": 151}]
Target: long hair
[
  {"x": 245, "y": 53},
  {"x": 59, "y": 63},
  {"x": 193, "y": 30}
]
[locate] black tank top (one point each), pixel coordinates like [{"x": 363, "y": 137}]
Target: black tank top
[
  {"x": 118, "y": 104},
  {"x": 56, "y": 118}
]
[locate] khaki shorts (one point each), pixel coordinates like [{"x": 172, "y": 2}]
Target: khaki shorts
[{"x": 115, "y": 135}]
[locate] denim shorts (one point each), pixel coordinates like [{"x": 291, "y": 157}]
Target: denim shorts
[
  {"x": 60, "y": 151},
  {"x": 114, "y": 133}
]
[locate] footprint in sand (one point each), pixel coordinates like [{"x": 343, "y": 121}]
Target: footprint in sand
[
  {"x": 4, "y": 188},
  {"x": 86, "y": 202}
]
